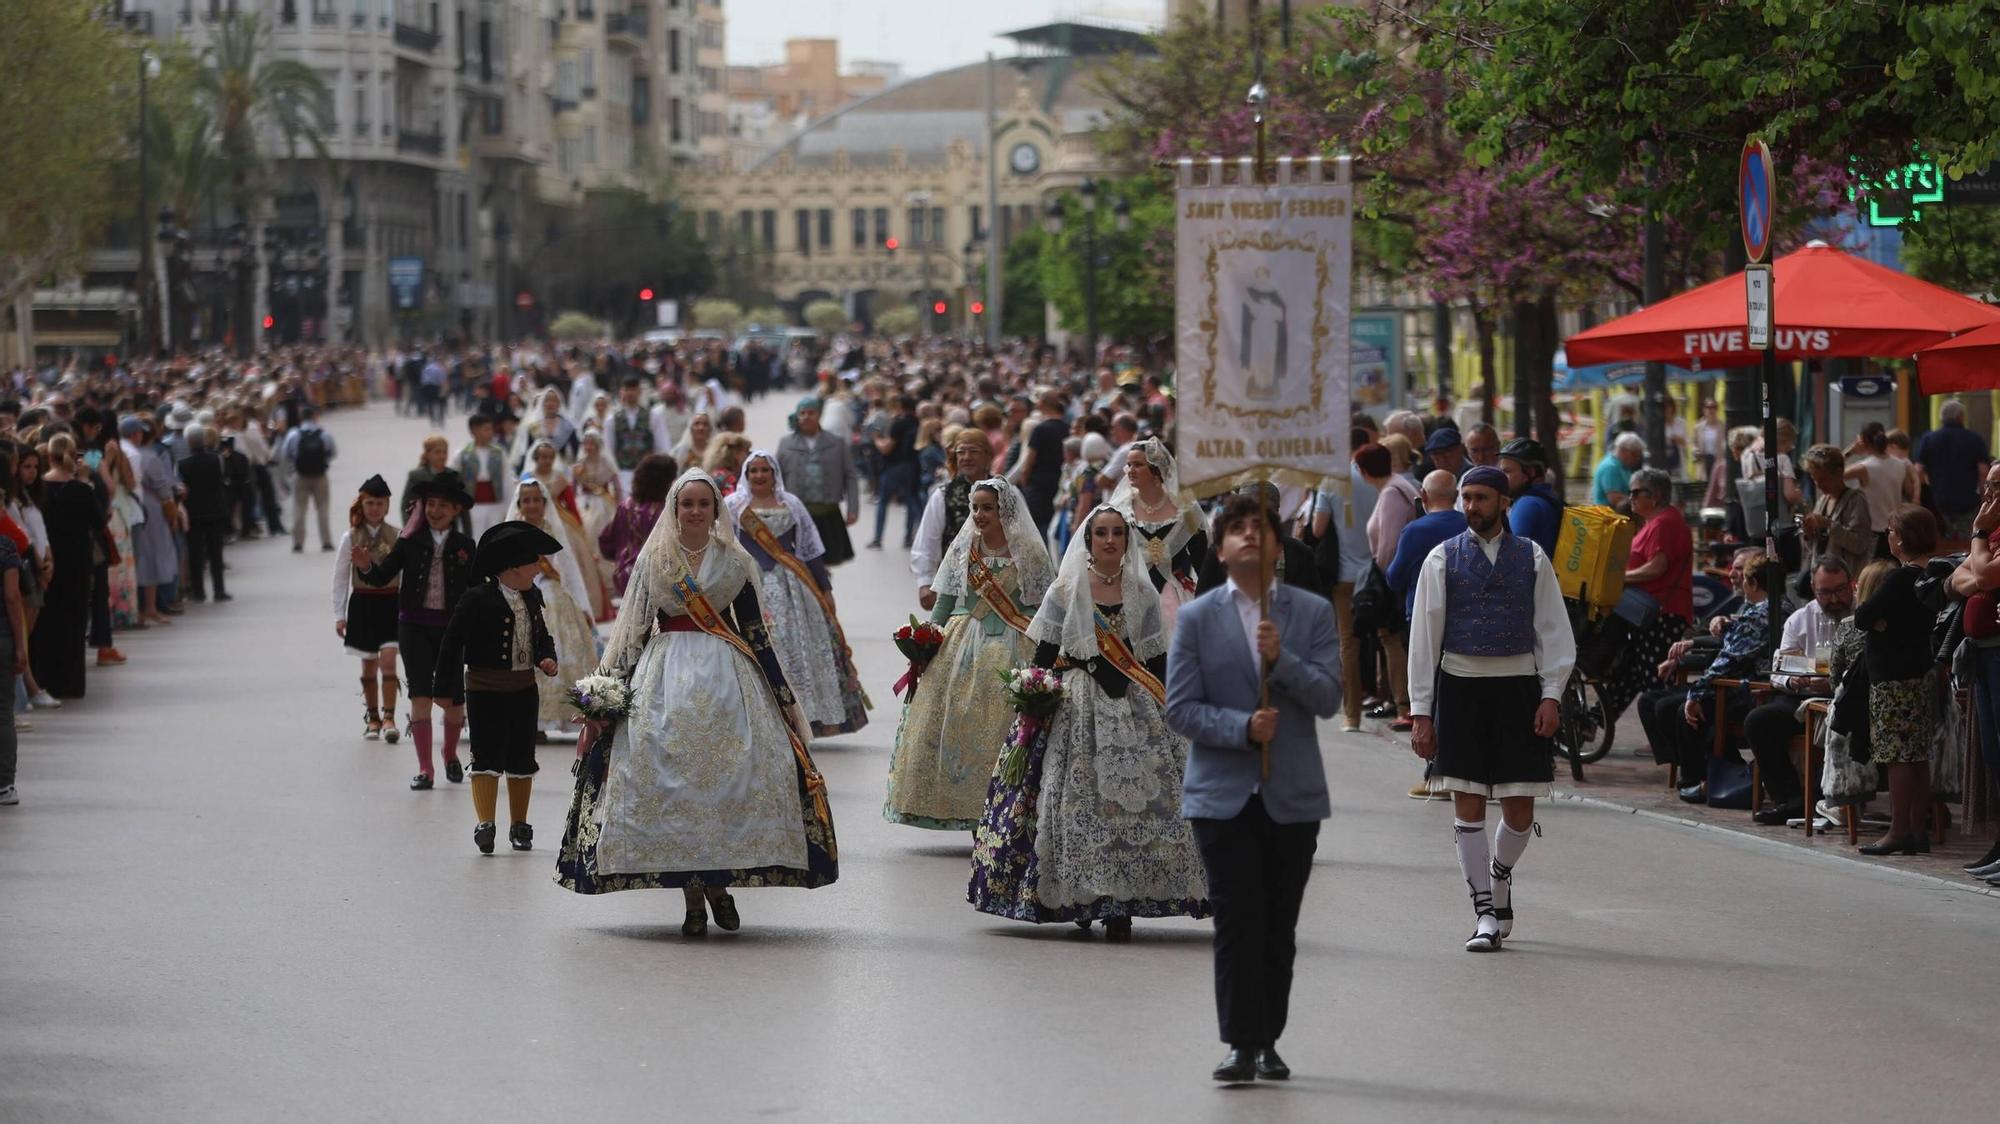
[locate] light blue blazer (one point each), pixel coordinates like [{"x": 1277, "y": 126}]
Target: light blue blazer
[{"x": 1212, "y": 690}]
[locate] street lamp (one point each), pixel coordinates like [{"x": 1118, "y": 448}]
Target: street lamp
[
  {"x": 922, "y": 201},
  {"x": 167, "y": 235},
  {"x": 142, "y": 279},
  {"x": 1121, "y": 212}
]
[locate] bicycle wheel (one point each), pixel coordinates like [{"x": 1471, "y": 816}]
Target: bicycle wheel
[{"x": 1594, "y": 728}]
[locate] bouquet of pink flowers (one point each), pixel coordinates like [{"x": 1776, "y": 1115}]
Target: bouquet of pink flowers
[{"x": 1033, "y": 691}]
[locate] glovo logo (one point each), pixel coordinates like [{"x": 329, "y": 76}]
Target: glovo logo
[{"x": 1575, "y": 560}]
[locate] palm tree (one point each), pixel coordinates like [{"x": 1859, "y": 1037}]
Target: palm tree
[{"x": 249, "y": 97}]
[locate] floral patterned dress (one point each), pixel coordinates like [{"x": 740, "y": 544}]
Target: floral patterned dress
[
  {"x": 1094, "y": 829},
  {"x": 124, "y": 577}
]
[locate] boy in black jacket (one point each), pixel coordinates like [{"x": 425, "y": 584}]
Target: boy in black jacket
[
  {"x": 495, "y": 643},
  {"x": 435, "y": 562}
]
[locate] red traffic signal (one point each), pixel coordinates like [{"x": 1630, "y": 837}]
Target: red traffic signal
[
  {"x": 270, "y": 322},
  {"x": 890, "y": 244},
  {"x": 940, "y": 308},
  {"x": 645, "y": 294},
  {"x": 979, "y": 308}
]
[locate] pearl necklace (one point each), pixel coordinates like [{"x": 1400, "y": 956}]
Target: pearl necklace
[
  {"x": 1163, "y": 507},
  {"x": 1112, "y": 578}
]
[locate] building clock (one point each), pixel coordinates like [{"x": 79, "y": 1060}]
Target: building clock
[{"x": 1026, "y": 159}]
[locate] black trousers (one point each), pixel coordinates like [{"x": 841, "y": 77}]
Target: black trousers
[
  {"x": 1690, "y": 746},
  {"x": 204, "y": 542},
  {"x": 1770, "y": 729},
  {"x": 1257, "y": 870},
  {"x": 267, "y": 500},
  {"x": 503, "y": 725},
  {"x": 100, "y": 606}
]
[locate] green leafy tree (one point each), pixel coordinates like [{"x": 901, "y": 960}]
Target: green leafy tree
[
  {"x": 63, "y": 106},
  {"x": 574, "y": 326},
  {"x": 1957, "y": 247},
  {"x": 619, "y": 243},
  {"x": 901, "y": 320},
  {"x": 825, "y": 317},
  {"x": 768, "y": 316},
  {"x": 719, "y": 315},
  {"x": 1135, "y": 266},
  {"x": 1024, "y": 313}
]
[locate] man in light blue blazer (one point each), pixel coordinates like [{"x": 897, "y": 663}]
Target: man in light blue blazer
[{"x": 1255, "y": 789}]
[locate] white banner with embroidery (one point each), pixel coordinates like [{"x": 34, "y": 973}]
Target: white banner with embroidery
[{"x": 1261, "y": 308}]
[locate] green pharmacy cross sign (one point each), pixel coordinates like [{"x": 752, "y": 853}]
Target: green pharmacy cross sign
[{"x": 1901, "y": 193}]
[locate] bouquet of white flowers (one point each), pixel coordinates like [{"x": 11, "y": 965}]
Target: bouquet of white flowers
[{"x": 600, "y": 698}]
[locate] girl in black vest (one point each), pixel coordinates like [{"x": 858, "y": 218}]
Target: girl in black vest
[{"x": 364, "y": 615}]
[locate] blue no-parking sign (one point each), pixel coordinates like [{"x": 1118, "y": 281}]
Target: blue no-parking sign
[{"x": 1754, "y": 183}]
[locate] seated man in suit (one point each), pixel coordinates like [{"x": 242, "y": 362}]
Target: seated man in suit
[{"x": 1255, "y": 789}]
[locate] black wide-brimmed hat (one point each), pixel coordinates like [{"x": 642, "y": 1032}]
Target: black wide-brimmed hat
[
  {"x": 375, "y": 486},
  {"x": 512, "y": 543},
  {"x": 446, "y": 485}
]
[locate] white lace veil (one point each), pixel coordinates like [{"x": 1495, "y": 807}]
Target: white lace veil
[
  {"x": 1125, "y": 498},
  {"x": 1067, "y": 617},
  {"x": 530, "y": 433},
  {"x": 660, "y": 565},
  {"x": 565, "y": 561},
  {"x": 806, "y": 543},
  {"x": 1031, "y": 558}
]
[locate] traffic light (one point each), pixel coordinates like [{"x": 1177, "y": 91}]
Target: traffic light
[
  {"x": 940, "y": 308},
  {"x": 270, "y": 322},
  {"x": 979, "y": 308},
  {"x": 890, "y": 244},
  {"x": 646, "y": 294}
]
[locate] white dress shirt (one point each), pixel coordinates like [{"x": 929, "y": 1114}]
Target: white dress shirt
[
  {"x": 1801, "y": 638},
  {"x": 1553, "y": 656},
  {"x": 1248, "y": 613},
  {"x": 927, "y": 549}
]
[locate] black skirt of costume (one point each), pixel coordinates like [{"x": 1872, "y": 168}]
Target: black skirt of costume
[
  {"x": 371, "y": 621},
  {"x": 1486, "y": 743},
  {"x": 833, "y": 532},
  {"x": 57, "y": 645}
]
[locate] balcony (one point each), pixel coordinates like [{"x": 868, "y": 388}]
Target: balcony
[
  {"x": 423, "y": 144},
  {"x": 560, "y": 104},
  {"x": 629, "y": 28},
  {"x": 416, "y": 38}
]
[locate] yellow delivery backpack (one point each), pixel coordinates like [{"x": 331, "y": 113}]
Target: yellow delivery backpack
[{"x": 1591, "y": 552}]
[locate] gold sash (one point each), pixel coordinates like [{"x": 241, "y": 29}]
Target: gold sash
[
  {"x": 982, "y": 579},
  {"x": 760, "y": 532},
  {"x": 1112, "y": 647},
  {"x": 708, "y": 620}
]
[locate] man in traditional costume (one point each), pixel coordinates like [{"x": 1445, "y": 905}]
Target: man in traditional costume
[
  {"x": 945, "y": 513},
  {"x": 631, "y": 435},
  {"x": 483, "y": 466},
  {"x": 1490, "y": 654}
]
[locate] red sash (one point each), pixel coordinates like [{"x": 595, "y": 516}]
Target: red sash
[
  {"x": 1112, "y": 647},
  {"x": 982, "y": 579}
]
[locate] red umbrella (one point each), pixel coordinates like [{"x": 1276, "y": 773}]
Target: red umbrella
[
  {"x": 1969, "y": 362},
  {"x": 1829, "y": 304}
]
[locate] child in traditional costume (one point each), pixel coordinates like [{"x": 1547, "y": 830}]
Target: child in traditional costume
[{"x": 364, "y": 616}]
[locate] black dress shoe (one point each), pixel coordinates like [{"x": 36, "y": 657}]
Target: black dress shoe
[
  {"x": 521, "y": 837},
  {"x": 1270, "y": 1066},
  {"x": 1988, "y": 859},
  {"x": 482, "y": 837},
  {"x": 1778, "y": 815},
  {"x": 1695, "y": 794},
  {"x": 420, "y": 782},
  {"x": 1897, "y": 845},
  {"x": 1236, "y": 1067},
  {"x": 224, "y": 597},
  {"x": 454, "y": 772}
]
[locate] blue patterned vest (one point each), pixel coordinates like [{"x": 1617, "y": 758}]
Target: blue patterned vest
[
  {"x": 630, "y": 443},
  {"x": 1489, "y": 607}
]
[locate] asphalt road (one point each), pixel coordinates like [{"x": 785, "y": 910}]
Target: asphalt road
[{"x": 217, "y": 902}]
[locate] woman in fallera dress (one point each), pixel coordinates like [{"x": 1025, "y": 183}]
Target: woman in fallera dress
[
  {"x": 1168, "y": 534},
  {"x": 595, "y": 476},
  {"x": 797, "y": 593},
  {"x": 565, "y": 605},
  {"x": 546, "y": 467},
  {"x": 706, "y": 783},
  {"x": 1093, "y": 831},
  {"x": 988, "y": 588}
]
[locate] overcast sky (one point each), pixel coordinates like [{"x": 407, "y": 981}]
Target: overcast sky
[{"x": 920, "y": 35}]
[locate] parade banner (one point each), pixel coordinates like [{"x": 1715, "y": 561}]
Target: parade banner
[{"x": 1261, "y": 307}]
